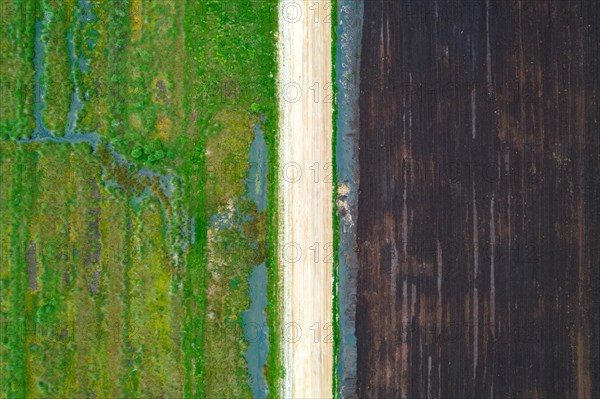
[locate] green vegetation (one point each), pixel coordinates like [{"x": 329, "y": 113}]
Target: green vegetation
[
  {"x": 57, "y": 75},
  {"x": 275, "y": 371},
  {"x": 233, "y": 73},
  {"x": 16, "y": 71},
  {"x": 336, "y": 220},
  {"x": 88, "y": 304},
  {"x": 106, "y": 291}
]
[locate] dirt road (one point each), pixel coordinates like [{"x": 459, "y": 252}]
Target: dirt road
[{"x": 306, "y": 189}]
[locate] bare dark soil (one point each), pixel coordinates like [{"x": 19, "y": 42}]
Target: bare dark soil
[{"x": 479, "y": 201}]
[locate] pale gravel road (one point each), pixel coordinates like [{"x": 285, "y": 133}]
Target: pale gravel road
[{"x": 305, "y": 148}]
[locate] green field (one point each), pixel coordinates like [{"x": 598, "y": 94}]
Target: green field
[{"x": 115, "y": 280}]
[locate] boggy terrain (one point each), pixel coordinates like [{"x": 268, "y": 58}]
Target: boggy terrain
[
  {"x": 138, "y": 199},
  {"x": 478, "y": 205}
]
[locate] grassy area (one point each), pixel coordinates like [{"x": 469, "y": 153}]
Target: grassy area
[
  {"x": 16, "y": 69},
  {"x": 234, "y": 76},
  {"x": 88, "y": 307},
  {"x": 336, "y": 220},
  {"x": 275, "y": 371},
  {"x": 59, "y": 86},
  {"x": 125, "y": 309}
]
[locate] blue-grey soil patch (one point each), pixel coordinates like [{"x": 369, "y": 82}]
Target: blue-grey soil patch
[{"x": 349, "y": 30}]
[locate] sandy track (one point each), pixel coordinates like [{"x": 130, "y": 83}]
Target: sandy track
[{"x": 306, "y": 189}]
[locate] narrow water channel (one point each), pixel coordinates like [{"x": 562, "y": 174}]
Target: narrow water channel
[{"x": 256, "y": 331}]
